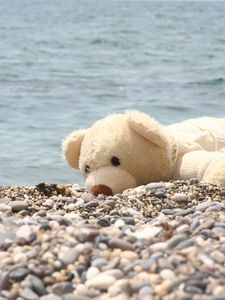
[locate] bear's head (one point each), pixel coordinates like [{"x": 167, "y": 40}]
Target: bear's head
[{"x": 119, "y": 152}]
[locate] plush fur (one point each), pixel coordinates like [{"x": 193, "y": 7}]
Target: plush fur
[{"x": 126, "y": 150}]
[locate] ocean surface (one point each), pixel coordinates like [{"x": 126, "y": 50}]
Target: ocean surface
[{"x": 65, "y": 64}]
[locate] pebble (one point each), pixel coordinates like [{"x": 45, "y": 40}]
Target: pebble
[
  {"x": 62, "y": 288},
  {"x": 92, "y": 272},
  {"x": 179, "y": 197},
  {"x": 26, "y": 233},
  {"x": 155, "y": 185},
  {"x": 100, "y": 282},
  {"x": 28, "y": 294},
  {"x": 17, "y": 206},
  {"x": 37, "y": 285},
  {"x": 19, "y": 274},
  {"x": 120, "y": 243},
  {"x": 68, "y": 255},
  {"x": 4, "y": 280},
  {"x": 50, "y": 296},
  {"x": 175, "y": 240}
]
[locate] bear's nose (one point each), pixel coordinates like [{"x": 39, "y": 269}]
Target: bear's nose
[{"x": 101, "y": 189}]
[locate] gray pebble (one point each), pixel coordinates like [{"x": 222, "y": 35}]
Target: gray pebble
[
  {"x": 19, "y": 274},
  {"x": 28, "y": 294},
  {"x": 68, "y": 256},
  {"x": 220, "y": 231},
  {"x": 193, "y": 290},
  {"x": 37, "y": 285},
  {"x": 85, "y": 233},
  {"x": 93, "y": 203},
  {"x": 120, "y": 243},
  {"x": 176, "y": 239},
  {"x": 185, "y": 244},
  {"x": 160, "y": 194},
  {"x": 155, "y": 185},
  {"x": 17, "y": 206},
  {"x": 180, "y": 197},
  {"x": 4, "y": 280},
  {"x": 104, "y": 222},
  {"x": 62, "y": 288},
  {"x": 168, "y": 211},
  {"x": 184, "y": 212},
  {"x": 99, "y": 262}
]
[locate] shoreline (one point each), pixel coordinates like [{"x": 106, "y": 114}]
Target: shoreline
[{"x": 160, "y": 241}]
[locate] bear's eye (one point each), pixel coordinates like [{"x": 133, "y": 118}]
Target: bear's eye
[
  {"x": 115, "y": 161},
  {"x": 87, "y": 169}
]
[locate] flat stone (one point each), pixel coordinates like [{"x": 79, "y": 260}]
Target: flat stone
[
  {"x": 93, "y": 203},
  {"x": 180, "y": 197},
  {"x": 18, "y": 274},
  {"x": 85, "y": 233},
  {"x": 175, "y": 240},
  {"x": 99, "y": 262},
  {"x": 104, "y": 222},
  {"x": 92, "y": 272},
  {"x": 26, "y": 233},
  {"x": 50, "y": 297},
  {"x": 160, "y": 194},
  {"x": 37, "y": 285},
  {"x": 17, "y": 206},
  {"x": 100, "y": 282},
  {"x": 4, "y": 280},
  {"x": 62, "y": 288},
  {"x": 68, "y": 255},
  {"x": 155, "y": 185},
  {"x": 120, "y": 243},
  {"x": 28, "y": 294}
]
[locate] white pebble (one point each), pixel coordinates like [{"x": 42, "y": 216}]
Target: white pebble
[
  {"x": 92, "y": 272},
  {"x": 119, "y": 223},
  {"x": 101, "y": 282},
  {"x": 167, "y": 274}
]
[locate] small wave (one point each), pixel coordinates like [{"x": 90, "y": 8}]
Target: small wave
[{"x": 209, "y": 82}]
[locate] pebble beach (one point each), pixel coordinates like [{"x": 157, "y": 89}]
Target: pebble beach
[{"x": 164, "y": 240}]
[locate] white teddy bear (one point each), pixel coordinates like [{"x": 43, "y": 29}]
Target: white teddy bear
[{"x": 123, "y": 151}]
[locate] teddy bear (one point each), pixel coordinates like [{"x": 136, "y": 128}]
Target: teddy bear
[{"x": 129, "y": 149}]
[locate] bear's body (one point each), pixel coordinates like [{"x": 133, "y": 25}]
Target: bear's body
[{"x": 125, "y": 150}]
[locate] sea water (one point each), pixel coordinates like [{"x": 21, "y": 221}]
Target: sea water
[{"x": 65, "y": 64}]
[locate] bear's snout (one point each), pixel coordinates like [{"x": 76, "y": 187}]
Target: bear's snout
[{"x": 101, "y": 189}]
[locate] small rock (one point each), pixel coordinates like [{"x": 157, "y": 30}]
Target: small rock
[
  {"x": 37, "y": 285},
  {"x": 85, "y": 233},
  {"x": 175, "y": 240},
  {"x": 50, "y": 297},
  {"x": 180, "y": 197},
  {"x": 92, "y": 272},
  {"x": 4, "y": 280},
  {"x": 68, "y": 255},
  {"x": 26, "y": 233},
  {"x": 101, "y": 282},
  {"x": 104, "y": 222},
  {"x": 155, "y": 185},
  {"x": 93, "y": 203},
  {"x": 120, "y": 243},
  {"x": 17, "y": 206},
  {"x": 62, "y": 288},
  {"x": 160, "y": 194},
  {"x": 28, "y": 294},
  {"x": 18, "y": 274}
]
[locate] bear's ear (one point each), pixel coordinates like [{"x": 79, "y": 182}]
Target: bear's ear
[
  {"x": 149, "y": 128},
  {"x": 71, "y": 147}
]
